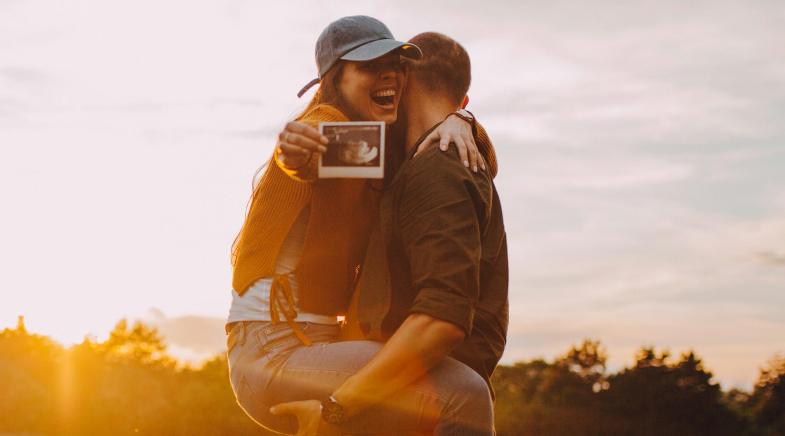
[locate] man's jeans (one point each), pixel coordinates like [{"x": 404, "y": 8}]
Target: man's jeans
[{"x": 268, "y": 365}]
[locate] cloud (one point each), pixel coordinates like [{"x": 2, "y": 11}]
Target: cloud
[
  {"x": 23, "y": 75},
  {"x": 18, "y": 85},
  {"x": 190, "y": 336},
  {"x": 9, "y": 107},
  {"x": 673, "y": 78},
  {"x": 772, "y": 258},
  {"x": 732, "y": 350}
]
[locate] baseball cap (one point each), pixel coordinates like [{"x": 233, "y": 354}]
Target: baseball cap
[{"x": 356, "y": 38}]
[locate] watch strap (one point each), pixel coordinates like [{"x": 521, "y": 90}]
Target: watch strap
[{"x": 468, "y": 117}]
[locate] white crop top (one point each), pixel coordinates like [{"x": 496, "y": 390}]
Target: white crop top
[{"x": 254, "y": 304}]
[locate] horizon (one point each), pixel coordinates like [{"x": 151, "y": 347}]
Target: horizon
[
  {"x": 641, "y": 149},
  {"x": 187, "y": 359}
]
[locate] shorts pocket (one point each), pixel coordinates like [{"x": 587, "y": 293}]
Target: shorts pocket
[{"x": 278, "y": 338}]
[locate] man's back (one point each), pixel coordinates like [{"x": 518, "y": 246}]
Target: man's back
[{"x": 447, "y": 254}]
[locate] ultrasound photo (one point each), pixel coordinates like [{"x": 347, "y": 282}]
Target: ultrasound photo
[{"x": 355, "y": 150}]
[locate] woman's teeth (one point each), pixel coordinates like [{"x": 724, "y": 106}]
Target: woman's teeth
[
  {"x": 384, "y": 97},
  {"x": 384, "y": 93}
]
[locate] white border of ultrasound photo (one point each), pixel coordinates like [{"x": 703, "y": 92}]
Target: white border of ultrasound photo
[{"x": 354, "y": 171}]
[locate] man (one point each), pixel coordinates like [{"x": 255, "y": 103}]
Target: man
[{"x": 442, "y": 304}]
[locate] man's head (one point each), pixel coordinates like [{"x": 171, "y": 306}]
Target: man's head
[{"x": 444, "y": 72}]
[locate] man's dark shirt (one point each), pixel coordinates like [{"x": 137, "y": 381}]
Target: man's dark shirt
[{"x": 447, "y": 253}]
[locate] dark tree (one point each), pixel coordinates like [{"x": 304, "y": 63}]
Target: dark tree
[
  {"x": 767, "y": 403},
  {"x": 657, "y": 397},
  {"x": 539, "y": 398}
]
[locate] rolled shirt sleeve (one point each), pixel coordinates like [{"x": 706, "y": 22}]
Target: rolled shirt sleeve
[
  {"x": 441, "y": 212},
  {"x": 443, "y": 304}
]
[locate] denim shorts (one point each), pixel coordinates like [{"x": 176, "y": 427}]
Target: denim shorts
[{"x": 269, "y": 365}]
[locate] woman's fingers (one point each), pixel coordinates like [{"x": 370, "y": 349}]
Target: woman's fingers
[
  {"x": 301, "y": 140},
  {"x": 471, "y": 148},
  {"x": 455, "y": 130},
  {"x": 306, "y": 131},
  {"x": 462, "y": 150},
  {"x": 431, "y": 138},
  {"x": 444, "y": 143},
  {"x": 289, "y": 149},
  {"x": 297, "y": 141},
  {"x": 466, "y": 136},
  {"x": 292, "y": 156}
]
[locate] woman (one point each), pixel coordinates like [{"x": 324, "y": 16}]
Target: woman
[{"x": 297, "y": 257}]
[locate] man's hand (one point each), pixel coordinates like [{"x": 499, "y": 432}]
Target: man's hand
[
  {"x": 296, "y": 142},
  {"x": 457, "y": 131},
  {"x": 309, "y": 417}
]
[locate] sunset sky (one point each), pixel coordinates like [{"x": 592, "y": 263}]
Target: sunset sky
[{"x": 641, "y": 147}]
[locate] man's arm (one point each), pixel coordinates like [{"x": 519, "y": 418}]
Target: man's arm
[{"x": 419, "y": 343}]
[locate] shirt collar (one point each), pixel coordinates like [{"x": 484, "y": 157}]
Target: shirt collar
[{"x": 422, "y": 137}]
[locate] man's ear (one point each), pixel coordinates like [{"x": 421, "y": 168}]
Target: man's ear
[{"x": 465, "y": 102}]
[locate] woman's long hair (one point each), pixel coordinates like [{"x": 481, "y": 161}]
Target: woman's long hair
[{"x": 328, "y": 93}]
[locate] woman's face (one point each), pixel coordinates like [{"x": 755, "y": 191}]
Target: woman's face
[{"x": 372, "y": 90}]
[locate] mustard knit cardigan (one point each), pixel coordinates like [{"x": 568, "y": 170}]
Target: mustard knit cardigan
[{"x": 335, "y": 241}]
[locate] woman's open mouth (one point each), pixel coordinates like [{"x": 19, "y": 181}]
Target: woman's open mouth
[{"x": 384, "y": 98}]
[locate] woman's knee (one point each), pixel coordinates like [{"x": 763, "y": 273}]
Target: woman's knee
[
  {"x": 472, "y": 389},
  {"x": 469, "y": 402}
]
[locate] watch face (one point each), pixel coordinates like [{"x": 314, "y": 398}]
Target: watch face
[
  {"x": 332, "y": 412},
  {"x": 465, "y": 113}
]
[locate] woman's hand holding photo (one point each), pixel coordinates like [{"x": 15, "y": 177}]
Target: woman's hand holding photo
[{"x": 296, "y": 142}]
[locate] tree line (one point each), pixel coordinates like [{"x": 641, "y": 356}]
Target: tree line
[
  {"x": 658, "y": 395},
  {"x": 129, "y": 385}
]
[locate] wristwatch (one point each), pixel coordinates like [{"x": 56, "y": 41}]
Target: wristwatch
[
  {"x": 465, "y": 115},
  {"x": 468, "y": 117},
  {"x": 332, "y": 412}
]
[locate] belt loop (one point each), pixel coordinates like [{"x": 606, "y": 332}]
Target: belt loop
[{"x": 241, "y": 333}]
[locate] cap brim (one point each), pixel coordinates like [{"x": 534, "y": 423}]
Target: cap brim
[{"x": 379, "y": 48}]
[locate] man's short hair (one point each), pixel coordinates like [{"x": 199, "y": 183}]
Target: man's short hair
[{"x": 445, "y": 67}]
